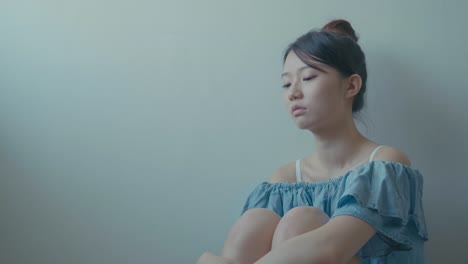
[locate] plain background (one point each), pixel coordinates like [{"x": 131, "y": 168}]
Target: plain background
[{"x": 133, "y": 131}]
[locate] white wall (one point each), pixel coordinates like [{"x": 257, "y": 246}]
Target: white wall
[{"x": 127, "y": 133}]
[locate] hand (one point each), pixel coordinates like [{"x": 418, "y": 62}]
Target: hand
[{"x": 210, "y": 258}]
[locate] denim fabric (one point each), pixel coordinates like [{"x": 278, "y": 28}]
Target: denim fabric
[{"x": 385, "y": 194}]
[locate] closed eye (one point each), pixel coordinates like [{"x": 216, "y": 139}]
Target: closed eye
[
  {"x": 309, "y": 78},
  {"x": 305, "y": 79}
]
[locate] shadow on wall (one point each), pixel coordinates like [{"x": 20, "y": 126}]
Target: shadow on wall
[
  {"x": 13, "y": 188},
  {"x": 415, "y": 110}
]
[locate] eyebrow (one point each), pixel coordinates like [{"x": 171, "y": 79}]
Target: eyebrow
[{"x": 305, "y": 67}]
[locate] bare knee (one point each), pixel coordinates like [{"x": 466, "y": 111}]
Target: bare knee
[
  {"x": 297, "y": 221},
  {"x": 251, "y": 236},
  {"x": 253, "y": 222}
]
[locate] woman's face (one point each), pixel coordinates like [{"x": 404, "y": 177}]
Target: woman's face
[{"x": 318, "y": 89}]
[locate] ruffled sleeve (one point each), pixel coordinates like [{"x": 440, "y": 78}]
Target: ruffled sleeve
[
  {"x": 388, "y": 196},
  {"x": 264, "y": 196}
]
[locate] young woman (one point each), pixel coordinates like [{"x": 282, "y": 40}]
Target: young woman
[{"x": 352, "y": 200}]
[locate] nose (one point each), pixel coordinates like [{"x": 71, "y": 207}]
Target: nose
[{"x": 295, "y": 92}]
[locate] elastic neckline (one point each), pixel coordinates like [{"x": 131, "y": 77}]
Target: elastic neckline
[
  {"x": 337, "y": 178},
  {"x": 298, "y": 168}
]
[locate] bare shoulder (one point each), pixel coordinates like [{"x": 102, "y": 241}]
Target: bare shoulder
[
  {"x": 285, "y": 173},
  {"x": 388, "y": 153}
]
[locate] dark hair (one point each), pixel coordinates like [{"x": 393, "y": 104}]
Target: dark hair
[{"x": 335, "y": 45}]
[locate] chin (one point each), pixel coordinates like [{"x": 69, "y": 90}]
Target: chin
[
  {"x": 306, "y": 124},
  {"x": 302, "y": 124}
]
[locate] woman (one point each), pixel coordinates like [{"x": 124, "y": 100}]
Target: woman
[{"x": 353, "y": 200}]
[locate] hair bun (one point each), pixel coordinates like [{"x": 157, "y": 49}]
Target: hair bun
[{"x": 341, "y": 26}]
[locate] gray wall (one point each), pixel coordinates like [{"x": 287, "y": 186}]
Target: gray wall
[{"x": 127, "y": 133}]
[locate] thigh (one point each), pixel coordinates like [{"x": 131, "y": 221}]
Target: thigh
[
  {"x": 300, "y": 220},
  {"x": 297, "y": 221},
  {"x": 251, "y": 236}
]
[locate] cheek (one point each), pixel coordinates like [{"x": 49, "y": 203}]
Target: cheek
[
  {"x": 321, "y": 95},
  {"x": 323, "y": 98}
]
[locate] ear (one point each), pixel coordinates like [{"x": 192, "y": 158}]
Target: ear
[{"x": 352, "y": 85}]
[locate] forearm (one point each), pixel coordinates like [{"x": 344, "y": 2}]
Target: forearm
[
  {"x": 210, "y": 258},
  {"x": 306, "y": 248}
]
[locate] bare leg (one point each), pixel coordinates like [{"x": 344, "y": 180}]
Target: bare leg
[
  {"x": 298, "y": 221},
  {"x": 260, "y": 230},
  {"x": 251, "y": 236}
]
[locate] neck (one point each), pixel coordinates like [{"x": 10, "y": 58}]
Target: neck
[{"x": 338, "y": 147}]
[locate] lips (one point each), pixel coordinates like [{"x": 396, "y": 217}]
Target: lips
[{"x": 295, "y": 107}]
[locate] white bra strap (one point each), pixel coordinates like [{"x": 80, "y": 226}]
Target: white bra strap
[
  {"x": 374, "y": 152},
  {"x": 298, "y": 171},
  {"x": 298, "y": 164}
]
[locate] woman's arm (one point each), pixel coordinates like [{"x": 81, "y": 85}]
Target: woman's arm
[
  {"x": 210, "y": 258},
  {"x": 335, "y": 242}
]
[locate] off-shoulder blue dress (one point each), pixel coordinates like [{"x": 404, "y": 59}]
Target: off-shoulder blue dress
[{"x": 385, "y": 194}]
